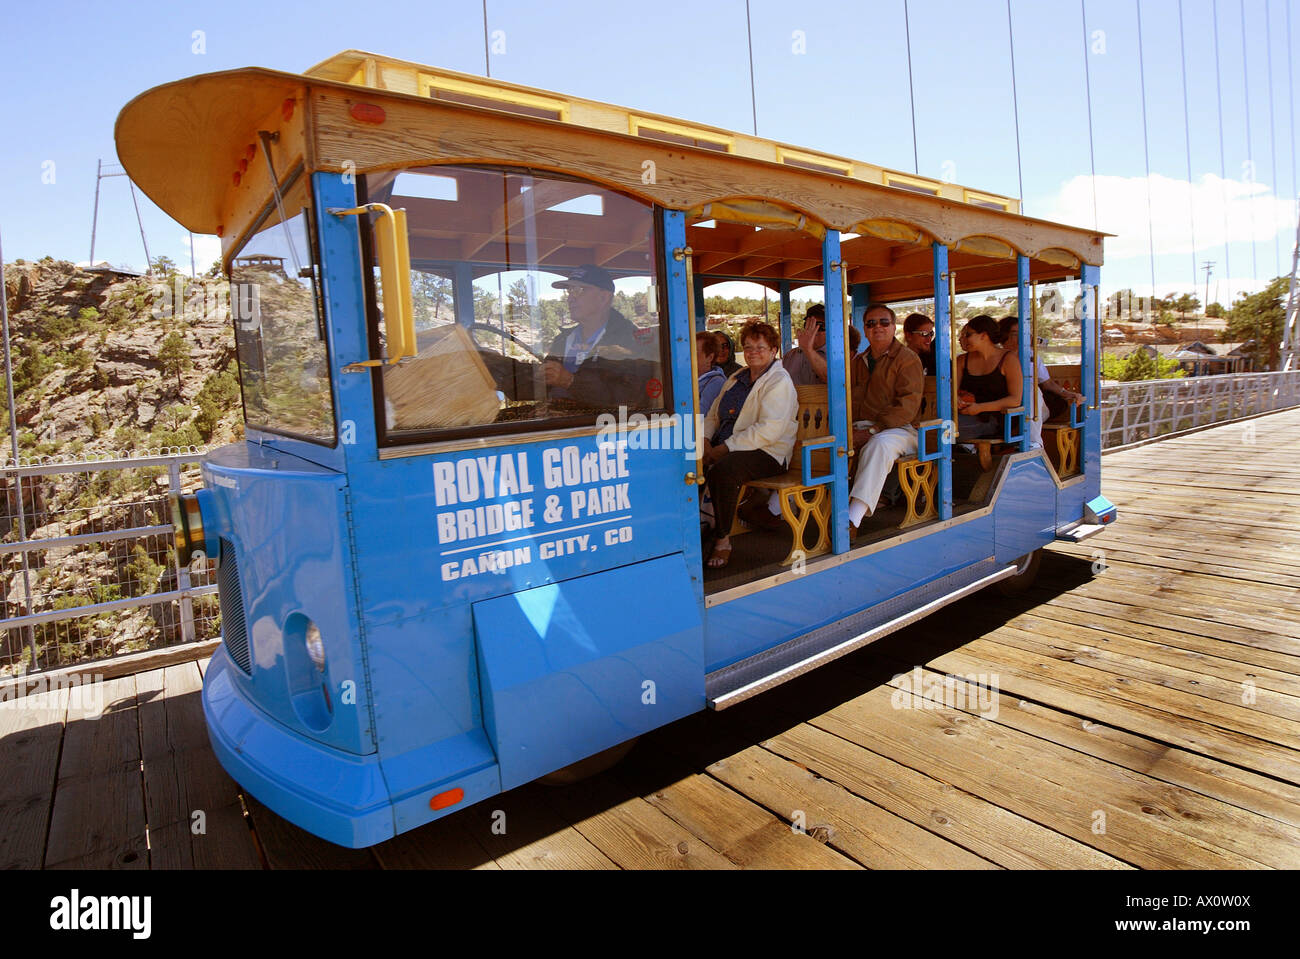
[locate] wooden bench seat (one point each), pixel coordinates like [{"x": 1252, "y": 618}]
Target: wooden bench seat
[
  {"x": 802, "y": 504},
  {"x": 919, "y": 479}
]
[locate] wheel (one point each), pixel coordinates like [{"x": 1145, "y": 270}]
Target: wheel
[
  {"x": 1026, "y": 573},
  {"x": 591, "y": 766},
  {"x": 477, "y": 328}
]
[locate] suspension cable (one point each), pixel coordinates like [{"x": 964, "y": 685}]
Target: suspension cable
[
  {"x": 753, "y": 97},
  {"x": 1087, "y": 79},
  {"x": 1015, "y": 102},
  {"x": 1250, "y": 149},
  {"x": 1187, "y": 134},
  {"x": 1272, "y": 131},
  {"x": 1223, "y": 166},
  {"x": 1146, "y": 149},
  {"x": 911, "y": 90}
]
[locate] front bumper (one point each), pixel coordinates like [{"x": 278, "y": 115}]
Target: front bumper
[{"x": 338, "y": 796}]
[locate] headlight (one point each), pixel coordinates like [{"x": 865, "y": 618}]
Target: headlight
[
  {"x": 315, "y": 647},
  {"x": 187, "y": 528}
]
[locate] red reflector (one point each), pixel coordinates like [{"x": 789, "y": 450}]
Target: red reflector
[
  {"x": 221, "y": 230},
  {"x": 243, "y": 166},
  {"x": 286, "y": 108},
  {"x": 237, "y": 177},
  {"x": 367, "y": 113},
  {"x": 250, "y": 151},
  {"x": 449, "y": 798}
]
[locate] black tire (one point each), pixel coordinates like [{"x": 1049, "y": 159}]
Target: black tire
[
  {"x": 1024, "y": 578},
  {"x": 591, "y": 766}
]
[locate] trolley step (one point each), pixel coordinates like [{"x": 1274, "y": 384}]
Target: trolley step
[{"x": 763, "y": 671}]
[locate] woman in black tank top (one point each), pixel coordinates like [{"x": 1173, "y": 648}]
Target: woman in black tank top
[{"x": 988, "y": 382}]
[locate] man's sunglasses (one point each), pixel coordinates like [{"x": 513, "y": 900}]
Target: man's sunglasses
[
  {"x": 872, "y": 324},
  {"x": 929, "y": 335}
]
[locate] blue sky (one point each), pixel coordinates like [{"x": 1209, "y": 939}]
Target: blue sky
[{"x": 72, "y": 66}]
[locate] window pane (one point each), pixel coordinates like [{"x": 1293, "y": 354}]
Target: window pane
[
  {"x": 283, "y": 366},
  {"x": 534, "y": 297}
]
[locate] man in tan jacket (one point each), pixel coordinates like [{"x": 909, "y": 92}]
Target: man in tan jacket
[{"x": 888, "y": 384}]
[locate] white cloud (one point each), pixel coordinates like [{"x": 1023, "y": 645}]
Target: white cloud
[
  {"x": 207, "y": 249},
  {"x": 1253, "y": 211}
]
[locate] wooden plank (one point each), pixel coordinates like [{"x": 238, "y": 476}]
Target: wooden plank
[
  {"x": 1062, "y": 789},
  {"x": 227, "y": 843},
  {"x": 630, "y": 831},
  {"x": 98, "y": 822},
  {"x": 747, "y": 834},
  {"x": 1067, "y": 635},
  {"x": 128, "y": 664},
  {"x": 442, "y": 844},
  {"x": 185, "y": 787},
  {"x": 1108, "y": 657},
  {"x": 1105, "y": 702},
  {"x": 1262, "y": 662},
  {"x": 31, "y": 729},
  {"x": 285, "y": 846},
  {"x": 848, "y": 823},
  {"x": 98, "y": 819},
  {"x": 102, "y": 732},
  {"x": 1229, "y": 783},
  {"x": 521, "y": 831},
  {"x": 720, "y": 745}
]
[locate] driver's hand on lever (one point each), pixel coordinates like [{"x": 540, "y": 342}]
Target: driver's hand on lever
[{"x": 556, "y": 374}]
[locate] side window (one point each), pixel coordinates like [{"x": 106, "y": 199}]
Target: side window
[
  {"x": 280, "y": 341},
  {"x": 535, "y": 302}
]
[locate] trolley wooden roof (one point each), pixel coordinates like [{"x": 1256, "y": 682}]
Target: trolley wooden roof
[{"x": 192, "y": 146}]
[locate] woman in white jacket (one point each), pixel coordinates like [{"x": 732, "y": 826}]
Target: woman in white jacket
[{"x": 749, "y": 431}]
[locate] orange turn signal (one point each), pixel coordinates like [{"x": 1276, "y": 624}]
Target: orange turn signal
[{"x": 449, "y": 798}]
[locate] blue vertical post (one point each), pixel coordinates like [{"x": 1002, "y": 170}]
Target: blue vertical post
[
  {"x": 677, "y": 298},
  {"x": 1026, "y": 358},
  {"x": 785, "y": 318},
  {"x": 837, "y": 389},
  {"x": 701, "y": 314},
  {"x": 861, "y": 296},
  {"x": 943, "y": 347},
  {"x": 1090, "y": 278},
  {"x": 345, "y": 312},
  {"x": 462, "y": 288}
]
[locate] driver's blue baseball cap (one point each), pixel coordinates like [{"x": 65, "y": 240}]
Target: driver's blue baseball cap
[{"x": 591, "y": 275}]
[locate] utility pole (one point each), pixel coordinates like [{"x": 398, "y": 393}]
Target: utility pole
[{"x": 1208, "y": 268}]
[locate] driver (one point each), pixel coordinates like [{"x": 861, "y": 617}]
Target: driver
[{"x": 599, "y": 362}]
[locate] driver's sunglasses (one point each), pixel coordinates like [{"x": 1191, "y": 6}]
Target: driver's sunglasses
[
  {"x": 872, "y": 324},
  {"x": 925, "y": 336}
]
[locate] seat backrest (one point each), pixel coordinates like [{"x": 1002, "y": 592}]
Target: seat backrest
[
  {"x": 812, "y": 421},
  {"x": 813, "y": 418},
  {"x": 930, "y": 403},
  {"x": 1067, "y": 375}
]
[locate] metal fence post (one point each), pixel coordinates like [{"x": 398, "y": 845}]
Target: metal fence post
[{"x": 182, "y": 572}]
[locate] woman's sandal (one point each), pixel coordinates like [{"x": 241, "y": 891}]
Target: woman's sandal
[{"x": 722, "y": 554}]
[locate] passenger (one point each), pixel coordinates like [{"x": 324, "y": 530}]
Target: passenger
[
  {"x": 1056, "y": 398},
  {"x": 750, "y": 430},
  {"x": 886, "y": 417},
  {"x": 918, "y": 334},
  {"x": 711, "y": 376},
  {"x": 988, "y": 381},
  {"x": 601, "y": 362},
  {"x": 806, "y": 364},
  {"x": 726, "y": 359},
  {"x": 752, "y": 511}
]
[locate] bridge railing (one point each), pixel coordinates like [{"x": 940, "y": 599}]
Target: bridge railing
[
  {"x": 87, "y": 563},
  {"x": 1148, "y": 409},
  {"x": 88, "y": 569}
]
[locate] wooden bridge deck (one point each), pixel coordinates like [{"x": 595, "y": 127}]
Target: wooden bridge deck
[{"x": 1148, "y": 717}]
